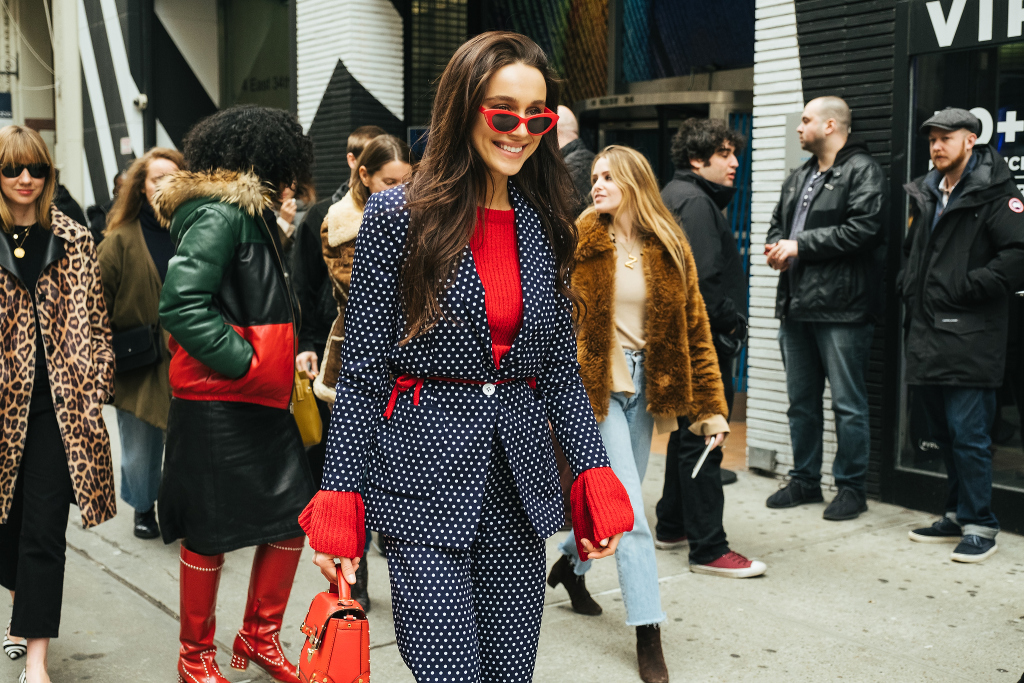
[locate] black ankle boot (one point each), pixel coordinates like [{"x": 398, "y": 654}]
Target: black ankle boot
[
  {"x": 649, "y": 656},
  {"x": 582, "y": 603},
  {"x": 145, "y": 524},
  {"x": 359, "y": 590}
]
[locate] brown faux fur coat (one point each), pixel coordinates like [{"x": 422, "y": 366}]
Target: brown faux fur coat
[
  {"x": 681, "y": 364},
  {"x": 338, "y": 237}
]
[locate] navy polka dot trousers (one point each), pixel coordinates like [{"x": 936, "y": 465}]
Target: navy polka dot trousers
[{"x": 471, "y": 615}]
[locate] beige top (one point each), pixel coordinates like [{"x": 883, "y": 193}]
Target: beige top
[{"x": 630, "y": 323}]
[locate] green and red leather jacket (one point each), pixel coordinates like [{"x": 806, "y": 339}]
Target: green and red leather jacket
[{"x": 225, "y": 301}]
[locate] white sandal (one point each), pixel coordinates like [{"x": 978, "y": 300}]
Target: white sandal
[{"x": 12, "y": 649}]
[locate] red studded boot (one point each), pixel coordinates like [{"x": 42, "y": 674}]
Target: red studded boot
[
  {"x": 199, "y": 577},
  {"x": 273, "y": 571}
]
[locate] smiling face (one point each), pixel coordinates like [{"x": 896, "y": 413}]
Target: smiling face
[
  {"x": 390, "y": 174},
  {"x": 519, "y": 89},
  {"x": 156, "y": 170},
  {"x": 607, "y": 195},
  {"x": 23, "y": 190}
]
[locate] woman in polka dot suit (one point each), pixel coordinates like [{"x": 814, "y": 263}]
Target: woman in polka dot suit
[{"x": 459, "y": 350}]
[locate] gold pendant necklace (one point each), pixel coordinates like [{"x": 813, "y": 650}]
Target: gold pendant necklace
[
  {"x": 19, "y": 251},
  {"x": 629, "y": 252}
]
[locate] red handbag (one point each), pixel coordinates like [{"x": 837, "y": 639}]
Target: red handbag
[{"x": 337, "y": 648}]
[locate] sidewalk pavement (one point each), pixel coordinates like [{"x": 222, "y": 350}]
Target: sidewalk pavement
[{"x": 852, "y": 601}]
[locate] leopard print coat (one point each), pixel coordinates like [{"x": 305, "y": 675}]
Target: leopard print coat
[{"x": 79, "y": 362}]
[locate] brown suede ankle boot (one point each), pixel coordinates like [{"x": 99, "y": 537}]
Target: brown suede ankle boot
[{"x": 649, "y": 655}]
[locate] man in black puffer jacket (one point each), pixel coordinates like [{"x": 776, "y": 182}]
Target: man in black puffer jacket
[
  {"x": 964, "y": 259},
  {"x": 577, "y": 157},
  {"x": 826, "y": 236}
]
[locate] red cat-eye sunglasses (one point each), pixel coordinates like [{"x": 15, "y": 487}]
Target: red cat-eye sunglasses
[{"x": 505, "y": 121}]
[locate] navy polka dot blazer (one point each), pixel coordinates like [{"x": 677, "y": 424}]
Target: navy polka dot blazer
[{"x": 422, "y": 471}]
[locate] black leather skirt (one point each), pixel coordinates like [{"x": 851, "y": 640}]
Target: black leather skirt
[{"x": 235, "y": 475}]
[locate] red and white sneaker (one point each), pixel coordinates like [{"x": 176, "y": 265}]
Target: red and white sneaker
[{"x": 732, "y": 566}]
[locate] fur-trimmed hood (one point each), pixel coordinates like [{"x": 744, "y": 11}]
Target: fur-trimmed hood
[
  {"x": 244, "y": 190},
  {"x": 343, "y": 220}
]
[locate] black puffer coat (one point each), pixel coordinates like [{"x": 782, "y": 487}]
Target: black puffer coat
[
  {"x": 838, "y": 275},
  {"x": 579, "y": 159},
  {"x": 958, "y": 278}
]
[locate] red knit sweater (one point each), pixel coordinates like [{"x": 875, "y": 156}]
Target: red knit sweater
[
  {"x": 496, "y": 254},
  {"x": 334, "y": 520}
]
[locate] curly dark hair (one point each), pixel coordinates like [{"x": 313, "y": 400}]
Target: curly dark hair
[
  {"x": 267, "y": 142},
  {"x": 699, "y": 139}
]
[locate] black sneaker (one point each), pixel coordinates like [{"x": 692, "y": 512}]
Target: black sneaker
[
  {"x": 728, "y": 476},
  {"x": 145, "y": 524},
  {"x": 848, "y": 504},
  {"x": 793, "y": 494},
  {"x": 974, "y": 549},
  {"x": 943, "y": 531}
]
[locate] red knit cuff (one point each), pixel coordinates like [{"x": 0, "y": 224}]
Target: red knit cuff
[
  {"x": 334, "y": 522},
  {"x": 600, "y": 507}
]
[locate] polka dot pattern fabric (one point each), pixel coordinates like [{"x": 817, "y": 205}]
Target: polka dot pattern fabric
[
  {"x": 472, "y": 614},
  {"x": 422, "y": 472}
]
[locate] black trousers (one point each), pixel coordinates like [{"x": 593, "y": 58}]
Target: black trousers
[
  {"x": 694, "y": 507},
  {"x": 32, "y": 542}
]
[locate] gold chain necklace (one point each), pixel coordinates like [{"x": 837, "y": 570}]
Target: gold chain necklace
[
  {"x": 629, "y": 251},
  {"x": 19, "y": 251}
]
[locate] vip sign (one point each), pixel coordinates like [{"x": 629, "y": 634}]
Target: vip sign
[{"x": 942, "y": 24}]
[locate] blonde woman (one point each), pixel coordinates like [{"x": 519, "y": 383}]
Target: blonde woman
[
  {"x": 133, "y": 260},
  {"x": 646, "y": 357},
  {"x": 58, "y": 368}
]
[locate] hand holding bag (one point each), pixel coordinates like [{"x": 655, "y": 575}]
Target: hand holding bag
[
  {"x": 305, "y": 411},
  {"x": 337, "y": 648}
]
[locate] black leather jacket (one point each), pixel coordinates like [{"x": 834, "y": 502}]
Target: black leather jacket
[
  {"x": 958, "y": 278},
  {"x": 838, "y": 276}
]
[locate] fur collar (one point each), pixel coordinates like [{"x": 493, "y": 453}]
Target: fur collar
[
  {"x": 64, "y": 227},
  {"x": 343, "y": 220},
  {"x": 594, "y": 239},
  {"x": 244, "y": 190}
]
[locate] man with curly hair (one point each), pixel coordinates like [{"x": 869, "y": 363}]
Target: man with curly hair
[{"x": 704, "y": 152}]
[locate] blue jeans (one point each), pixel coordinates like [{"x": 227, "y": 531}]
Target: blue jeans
[
  {"x": 142, "y": 450},
  {"x": 961, "y": 422},
  {"x": 839, "y": 351},
  {"x": 626, "y": 433}
]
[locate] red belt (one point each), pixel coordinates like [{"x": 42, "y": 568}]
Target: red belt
[{"x": 406, "y": 382}]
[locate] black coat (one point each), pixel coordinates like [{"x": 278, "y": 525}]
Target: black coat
[
  {"x": 958, "y": 278},
  {"x": 697, "y": 205},
  {"x": 310, "y": 280},
  {"x": 579, "y": 159},
  {"x": 838, "y": 274}
]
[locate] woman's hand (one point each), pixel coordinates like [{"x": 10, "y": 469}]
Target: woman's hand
[
  {"x": 288, "y": 210},
  {"x": 607, "y": 547},
  {"x": 719, "y": 439},
  {"x": 308, "y": 364},
  {"x": 327, "y": 563}
]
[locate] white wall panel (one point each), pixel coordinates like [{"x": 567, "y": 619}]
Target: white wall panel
[{"x": 366, "y": 35}]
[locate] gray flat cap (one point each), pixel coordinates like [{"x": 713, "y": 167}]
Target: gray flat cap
[{"x": 953, "y": 118}]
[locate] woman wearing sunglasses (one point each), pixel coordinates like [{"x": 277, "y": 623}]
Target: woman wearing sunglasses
[
  {"x": 458, "y": 351},
  {"x": 56, "y": 356}
]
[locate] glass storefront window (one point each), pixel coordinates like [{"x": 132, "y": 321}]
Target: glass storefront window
[
  {"x": 257, "y": 65},
  {"x": 989, "y": 82}
]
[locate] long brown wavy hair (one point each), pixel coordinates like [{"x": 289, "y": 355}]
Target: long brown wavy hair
[
  {"x": 378, "y": 153},
  {"x": 133, "y": 190},
  {"x": 451, "y": 180}
]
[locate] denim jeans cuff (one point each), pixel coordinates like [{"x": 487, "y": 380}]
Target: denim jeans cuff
[
  {"x": 647, "y": 622},
  {"x": 978, "y": 530}
]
